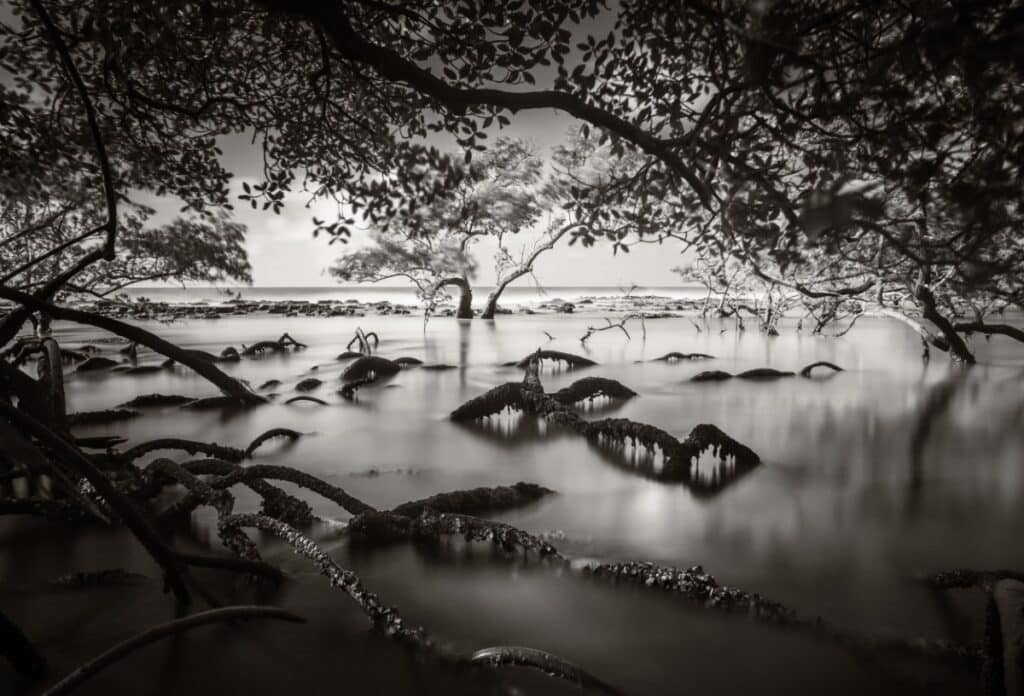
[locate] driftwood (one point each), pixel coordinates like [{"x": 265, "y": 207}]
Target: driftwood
[
  {"x": 165, "y": 630},
  {"x": 370, "y": 366}
]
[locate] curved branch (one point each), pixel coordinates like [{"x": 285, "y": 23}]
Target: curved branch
[
  {"x": 98, "y": 664},
  {"x": 546, "y": 662},
  {"x": 228, "y": 385}
]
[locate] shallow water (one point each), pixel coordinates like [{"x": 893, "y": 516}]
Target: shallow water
[{"x": 836, "y": 522}]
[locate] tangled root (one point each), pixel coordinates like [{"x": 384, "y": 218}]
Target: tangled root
[{"x": 231, "y": 454}]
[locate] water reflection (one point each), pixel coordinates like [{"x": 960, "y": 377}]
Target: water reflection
[{"x": 851, "y": 502}]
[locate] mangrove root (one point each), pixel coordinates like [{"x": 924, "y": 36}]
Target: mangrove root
[
  {"x": 806, "y": 372},
  {"x": 157, "y": 400},
  {"x": 591, "y": 388},
  {"x": 676, "y": 356},
  {"x": 477, "y": 501},
  {"x": 100, "y": 417},
  {"x": 281, "y": 345},
  {"x": 555, "y": 355},
  {"x": 545, "y": 662},
  {"x": 272, "y": 433},
  {"x": 305, "y": 397},
  {"x": 232, "y": 454},
  {"x": 370, "y": 366},
  {"x": 97, "y": 362},
  {"x": 308, "y": 384}
]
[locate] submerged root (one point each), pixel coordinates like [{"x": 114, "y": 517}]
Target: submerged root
[
  {"x": 763, "y": 373},
  {"x": 305, "y": 397},
  {"x": 157, "y": 400},
  {"x": 101, "y": 417},
  {"x": 370, "y": 366},
  {"x": 308, "y": 384},
  {"x": 711, "y": 376},
  {"x": 477, "y": 501},
  {"x": 592, "y": 388},
  {"x": 212, "y": 449},
  {"x": 569, "y": 359}
]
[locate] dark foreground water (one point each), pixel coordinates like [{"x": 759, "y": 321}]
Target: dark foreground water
[{"x": 836, "y": 522}]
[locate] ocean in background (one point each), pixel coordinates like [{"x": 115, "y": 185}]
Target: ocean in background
[{"x": 400, "y": 294}]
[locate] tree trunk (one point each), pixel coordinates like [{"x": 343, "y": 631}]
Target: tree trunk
[
  {"x": 957, "y": 346},
  {"x": 465, "y": 310},
  {"x": 492, "y": 304}
]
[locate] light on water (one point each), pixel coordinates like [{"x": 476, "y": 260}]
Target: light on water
[{"x": 837, "y": 520}]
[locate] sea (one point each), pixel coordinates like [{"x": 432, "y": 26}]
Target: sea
[{"x": 513, "y": 296}]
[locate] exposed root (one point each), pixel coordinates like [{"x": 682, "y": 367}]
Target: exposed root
[
  {"x": 369, "y": 366},
  {"x": 251, "y": 473},
  {"x": 491, "y": 402},
  {"x": 272, "y": 433},
  {"x": 544, "y": 661},
  {"x": 157, "y": 400},
  {"x": 305, "y": 397},
  {"x": 477, "y": 501},
  {"x": 18, "y": 649},
  {"x": 232, "y": 454},
  {"x": 281, "y": 345},
  {"x": 111, "y": 577},
  {"x": 308, "y": 384},
  {"x": 100, "y": 417},
  {"x": 151, "y": 635},
  {"x": 676, "y": 356},
  {"x": 806, "y": 372},
  {"x": 348, "y": 390},
  {"x": 711, "y": 376},
  {"x": 362, "y": 340},
  {"x": 591, "y": 388},
  {"x": 555, "y": 355},
  {"x": 270, "y": 384}
]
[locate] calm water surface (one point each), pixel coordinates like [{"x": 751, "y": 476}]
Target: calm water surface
[{"x": 836, "y": 522}]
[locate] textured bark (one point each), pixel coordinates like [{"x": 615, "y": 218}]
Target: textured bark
[
  {"x": 477, "y": 501},
  {"x": 556, "y": 355},
  {"x": 591, "y": 388}
]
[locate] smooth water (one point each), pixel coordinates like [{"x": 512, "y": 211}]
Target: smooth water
[{"x": 837, "y": 521}]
